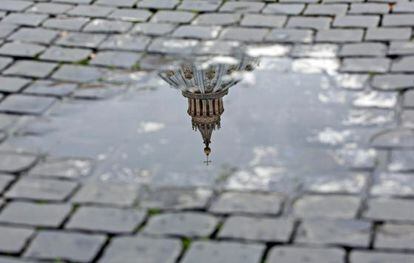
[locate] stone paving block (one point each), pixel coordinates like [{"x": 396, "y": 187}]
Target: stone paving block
[
  {"x": 348, "y": 182},
  {"x": 408, "y": 98},
  {"x": 120, "y": 3},
  {"x": 13, "y": 239},
  {"x": 106, "y": 193},
  {"x": 14, "y": 162},
  {"x": 379, "y": 257},
  {"x": 153, "y": 29},
  {"x": 363, "y": 50},
  {"x": 24, "y": 19},
  {"x": 41, "y": 189},
  {"x": 291, "y": 254},
  {"x": 151, "y": 250},
  {"x": 81, "y": 40},
  {"x": 4, "y": 62},
  {"x": 173, "y": 46},
  {"x": 249, "y": 203},
  {"x": 14, "y": 5},
  {"x": 321, "y": 10},
  {"x": 403, "y": 7},
  {"x": 164, "y": 16},
  {"x": 26, "y": 104},
  {"x": 356, "y": 21},
  {"x": 198, "y": 32},
  {"x": 12, "y": 84},
  {"x": 132, "y": 15},
  {"x": 200, "y": 6},
  {"x": 35, "y": 35},
  {"x": 126, "y": 42},
  {"x": 6, "y": 30},
  {"x": 217, "y": 19},
  {"x": 257, "y": 228},
  {"x": 62, "y": 168},
  {"x": 335, "y": 206},
  {"x": 401, "y": 161},
  {"x": 404, "y": 64},
  {"x": 286, "y": 9},
  {"x": 393, "y": 81},
  {"x": 398, "y": 20},
  {"x": 241, "y": 7},
  {"x": 34, "y": 214},
  {"x": 389, "y": 33},
  {"x": 309, "y": 22},
  {"x": 107, "y": 26},
  {"x": 268, "y": 50},
  {"x": 77, "y": 73},
  {"x": 50, "y": 8},
  {"x": 244, "y": 34},
  {"x": 7, "y": 121},
  {"x": 105, "y": 219},
  {"x": 204, "y": 251},
  {"x": 175, "y": 198},
  {"x": 353, "y": 233},
  {"x": 389, "y": 209},
  {"x": 56, "y": 245},
  {"x": 21, "y": 49},
  {"x": 50, "y": 88},
  {"x": 393, "y": 184},
  {"x": 392, "y": 236},
  {"x": 376, "y": 65},
  {"x": 407, "y": 118},
  {"x": 29, "y": 68},
  {"x": 5, "y": 181},
  {"x": 369, "y": 8},
  {"x": 163, "y": 4},
  {"x": 401, "y": 48},
  {"x": 119, "y": 59},
  {"x": 63, "y": 54},
  {"x": 66, "y": 23},
  {"x": 189, "y": 224},
  {"x": 74, "y": 1},
  {"x": 90, "y": 11},
  {"x": 398, "y": 137},
  {"x": 257, "y": 20},
  {"x": 290, "y": 35},
  {"x": 340, "y": 35}
]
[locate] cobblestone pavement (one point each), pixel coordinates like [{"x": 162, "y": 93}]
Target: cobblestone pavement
[{"x": 51, "y": 49}]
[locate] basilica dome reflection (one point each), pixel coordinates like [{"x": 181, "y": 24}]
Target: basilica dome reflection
[{"x": 204, "y": 84}]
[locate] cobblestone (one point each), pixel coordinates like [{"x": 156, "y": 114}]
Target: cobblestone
[
  {"x": 26, "y": 104},
  {"x": 289, "y": 254},
  {"x": 28, "y": 68},
  {"x": 12, "y": 84},
  {"x": 21, "y": 49},
  {"x": 368, "y": 256},
  {"x": 5, "y": 180},
  {"x": 35, "y": 35},
  {"x": 116, "y": 59},
  {"x": 14, "y": 163},
  {"x": 393, "y": 184},
  {"x": 391, "y": 236},
  {"x": 62, "y": 168},
  {"x": 389, "y": 209},
  {"x": 13, "y": 239},
  {"x": 327, "y": 206}
]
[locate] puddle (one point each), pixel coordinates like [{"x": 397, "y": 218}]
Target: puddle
[{"x": 241, "y": 123}]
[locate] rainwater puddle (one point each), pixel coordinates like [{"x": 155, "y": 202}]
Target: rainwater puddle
[{"x": 238, "y": 123}]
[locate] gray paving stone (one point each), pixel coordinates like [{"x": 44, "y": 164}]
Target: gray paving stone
[
  {"x": 398, "y": 20},
  {"x": 244, "y": 34},
  {"x": 401, "y": 48},
  {"x": 407, "y": 118},
  {"x": 198, "y": 32},
  {"x": 290, "y": 35},
  {"x": 52, "y": 244},
  {"x": 81, "y": 40},
  {"x": 24, "y": 19},
  {"x": 42, "y": 87},
  {"x": 393, "y": 184},
  {"x": 133, "y": 15},
  {"x": 363, "y": 50},
  {"x": 290, "y": 254},
  {"x": 353, "y": 233},
  {"x": 77, "y": 73},
  {"x": 163, "y": 4},
  {"x": 379, "y": 257},
  {"x": 13, "y": 239},
  {"x": 90, "y": 11},
  {"x": 404, "y": 64},
  {"x": 369, "y": 8},
  {"x": 356, "y": 21},
  {"x": 66, "y": 23},
  {"x": 257, "y": 20},
  {"x": 340, "y": 35},
  {"x": 286, "y": 9},
  {"x": 309, "y": 22},
  {"x": 14, "y": 5},
  {"x": 7, "y": 121},
  {"x": 74, "y": 1},
  {"x": 107, "y": 26},
  {"x": 257, "y": 229},
  {"x": 62, "y": 168},
  {"x": 55, "y": 53},
  {"x": 173, "y": 46},
  {"x": 35, "y": 35},
  {"x": 29, "y": 68},
  {"x": 217, "y": 19},
  {"x": 389, "y": 209},
  {"x": 106, "y": 193},
  {"x": 241, "y": 7},
  {"x": 189, "y": 224},
  {"x": 6, "y": 30},
  {"x": 150, "y": 250},
  {"x": 321, "y": 9},
  {"x": 50, "y": 8},
  {"x": 389, "y": 33},
  {"x": 41, "y": 189},
  {"x": 105, "y": 219},
  {"x": 120, "y": 3},
  {"x": 25, "y": 104},
  {"x": 200, "y": 6},
  {"x": 5, "y": 181},
  {"x": 249, "y": 203},
  {"x": 4, "y": 62},
  {"x": 335, "y": 206},
  {"x": 12, "y": 84},
  {"x": 401, "y": 161},
  {"x": 392, "y": 236},
  {"x": 408, "y": 98},
  {"x": 21, "y": 49},
  {"x": 119, "y": 59},
  {"x": 398, "y": 137},
  {"x": 126, "y": 42},
  {"x": 403, "y": 7},
  {"x": 14, "y": 163},
  {"x": 204, "y": 251},
  {"x": 377, "y": 65},
  {"x": 33, "y": 214},
  {"x": 165, "y": 16},
  {"x": 153, "y": 29}
]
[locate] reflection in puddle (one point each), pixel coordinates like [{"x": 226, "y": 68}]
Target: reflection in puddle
[{"x": 280, "y": 128}]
